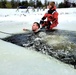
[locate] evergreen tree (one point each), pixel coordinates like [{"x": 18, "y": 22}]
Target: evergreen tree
[
  {"x": 66, "y": 4},
  {"x": 18, "y": 1},
  {"x": 73, "y": 5},
  {"x": 24, "y": 3},
  {"x": 8, "y": 5},
  {"x": 13, "y": 3},
  {"x": 31, "y": 3},
  {"x": 45, "y": 3},
  {"x": 39, "y": 3},
  {"x": 61, "y": 5},
  {"x": 3, "y": 3}
]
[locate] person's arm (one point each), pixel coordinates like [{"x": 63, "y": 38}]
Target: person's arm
[
  {"x": 54, "y": 20},
  {"x": 43, "y": 18}
]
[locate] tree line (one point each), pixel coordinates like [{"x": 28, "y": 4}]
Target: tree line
[
  {"x": 25, "y": 3},
  {"x": 66, "y": 4},
  {"x": 32, "y": 3}
]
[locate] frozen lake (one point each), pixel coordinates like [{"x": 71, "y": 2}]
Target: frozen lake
[{"x": 15, "y": 60}]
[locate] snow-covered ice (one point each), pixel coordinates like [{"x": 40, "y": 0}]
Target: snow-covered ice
[{"x": 15, "y": 60}]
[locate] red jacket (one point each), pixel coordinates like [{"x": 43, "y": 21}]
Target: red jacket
[{"x": 52, "y": 16}]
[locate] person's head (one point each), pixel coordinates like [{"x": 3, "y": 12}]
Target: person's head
[
  {"x": 51, "y": 4},
  {"x": 35, "y": 26}
]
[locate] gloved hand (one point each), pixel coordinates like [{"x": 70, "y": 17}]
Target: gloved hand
[{"x": 41, "y": 21}]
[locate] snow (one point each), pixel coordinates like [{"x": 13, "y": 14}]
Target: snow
[{"x": 15, "y": 60}]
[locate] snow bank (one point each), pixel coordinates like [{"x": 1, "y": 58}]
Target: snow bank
[{"x": 15, "y": 60}]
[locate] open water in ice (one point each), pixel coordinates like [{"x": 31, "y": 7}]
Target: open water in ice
[{"x": 60, "y": 44}]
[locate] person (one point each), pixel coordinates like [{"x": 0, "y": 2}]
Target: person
[
  {"x": 33, "y": 33},
  {"x": 35, "y": 27},
  {"x": 17, "y": 9},
  {"x": 51, "y": 16}
]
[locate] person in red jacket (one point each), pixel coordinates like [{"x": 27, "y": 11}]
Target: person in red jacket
[{"x": 51, "y": 16}]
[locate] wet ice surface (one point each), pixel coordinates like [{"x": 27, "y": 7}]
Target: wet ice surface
[{"x": 58, "y": 43}]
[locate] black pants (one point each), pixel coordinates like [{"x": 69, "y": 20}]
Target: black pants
[{"x": 46, "y": 25}]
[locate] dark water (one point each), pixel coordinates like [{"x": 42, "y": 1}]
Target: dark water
[{"x": 64, "y": 53}]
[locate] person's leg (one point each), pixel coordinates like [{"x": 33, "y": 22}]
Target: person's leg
[{"x": 48, "y": 24}]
